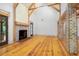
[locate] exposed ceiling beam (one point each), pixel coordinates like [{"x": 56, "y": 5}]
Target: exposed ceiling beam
[
  {"x": 56, "y": 8},
  {"x": 15, "y": 5},
  {"x": 62, "y": 17},
  {"x": 32, "y": 10},
  {"x": 33, "y": 7},
  {"x": 43, "y": 6}
]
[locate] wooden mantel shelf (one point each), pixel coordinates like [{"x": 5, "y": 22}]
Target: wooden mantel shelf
[{"x": 21, "y": 24}]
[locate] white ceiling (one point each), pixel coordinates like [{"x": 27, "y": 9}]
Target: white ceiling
[{"x": 36, "y": 4}]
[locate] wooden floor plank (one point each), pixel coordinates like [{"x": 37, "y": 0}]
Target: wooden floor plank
[
  {"x": 36, "y": 46},
  {"x": 56, "y": 48}
]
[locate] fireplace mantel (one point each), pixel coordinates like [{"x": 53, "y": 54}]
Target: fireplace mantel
[{"x": 21, "y": 24}]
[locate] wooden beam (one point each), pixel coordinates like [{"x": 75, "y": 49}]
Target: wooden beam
[
  {"x": 15, "y": 5},
  {"x": 43, "y": 6},
  {"x": 14, "y": 18},
  {"x": 32, "y": 10},
  {"x": 56, "y": 9},
  {"x": 31, "y": 5},
  {"x": 62, "y": 17}
]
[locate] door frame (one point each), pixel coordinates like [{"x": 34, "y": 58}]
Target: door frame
[
  {"x": 5, "y": 14},
  {"x": 6, "y": 42}
]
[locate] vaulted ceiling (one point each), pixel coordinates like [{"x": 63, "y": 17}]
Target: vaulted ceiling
[
  {"x": 32, "y": 6},
  {"x": 56, "y": 6}
]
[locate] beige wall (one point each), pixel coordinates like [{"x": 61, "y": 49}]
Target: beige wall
[{"x": 22, "y": 14}]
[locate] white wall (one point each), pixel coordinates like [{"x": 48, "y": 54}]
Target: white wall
[
  {"x": 9, "y": 8},
  {"x": 45, "y": 21},
  {"x": 22, "y": 14}
]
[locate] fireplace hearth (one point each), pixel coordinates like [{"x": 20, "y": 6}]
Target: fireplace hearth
[{"x": 22, "y": 34}]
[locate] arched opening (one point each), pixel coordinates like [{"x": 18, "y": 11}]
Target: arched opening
[{"x": 45, "y": 21}]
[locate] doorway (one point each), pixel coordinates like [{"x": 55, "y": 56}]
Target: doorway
[{"x": 3, "y": 30}]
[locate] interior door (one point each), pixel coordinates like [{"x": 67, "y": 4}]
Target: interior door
[{"x": 3, "y": 30}]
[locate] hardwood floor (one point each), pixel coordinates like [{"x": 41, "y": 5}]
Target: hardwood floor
[{"x": 35, "y": 46}]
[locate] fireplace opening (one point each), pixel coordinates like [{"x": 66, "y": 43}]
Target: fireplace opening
[{"x": 22, "y": 34}]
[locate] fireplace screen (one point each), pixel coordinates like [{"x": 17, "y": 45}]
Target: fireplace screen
[{"x": 22, "y": 34}]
